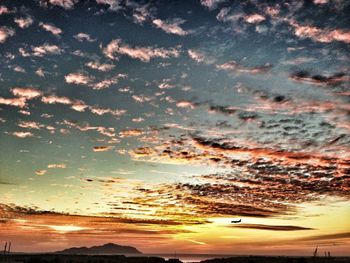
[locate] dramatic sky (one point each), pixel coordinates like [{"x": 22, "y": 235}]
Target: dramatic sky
[{"x": 155, "y": 123}]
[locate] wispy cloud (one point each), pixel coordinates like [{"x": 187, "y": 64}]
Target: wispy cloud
[
  {"x": 145, "y": 54},
  {"x": 51, "y": 28},
  {"x": 171, "y": 27},
  {"x": 233, "y": 66},
  {"x": 273, "y": 227},
  {"x": 78, "y": 78},
  {"x": 84, "y": 37},
  {"x": 66, "y": 4},
  {"x": 100, "y": 66},
  {"x": 320, "y": 35},
  {"x": 24, "y": 22}
]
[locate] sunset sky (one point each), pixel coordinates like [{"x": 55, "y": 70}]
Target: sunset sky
[{"x": 156, "y": 123}]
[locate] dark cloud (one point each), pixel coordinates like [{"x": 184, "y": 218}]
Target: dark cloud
[
  {"x": 306, "y": 76},
  {"x": 273, "y": 227},
  {"x": 343, "y": 235}
]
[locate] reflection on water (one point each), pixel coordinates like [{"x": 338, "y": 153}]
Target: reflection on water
[{"x": 190, "y": 257}]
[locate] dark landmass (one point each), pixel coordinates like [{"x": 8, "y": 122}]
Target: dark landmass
[
  {"x": 106, "y": 249},
  {"x": 263, "y": 259},
  {"x": 64, "y": 258}
]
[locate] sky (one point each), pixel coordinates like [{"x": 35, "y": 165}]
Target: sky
[{"x": 156, "y": 123}]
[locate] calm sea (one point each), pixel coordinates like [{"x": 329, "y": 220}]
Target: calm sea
[{"x": 190, "y": 257}]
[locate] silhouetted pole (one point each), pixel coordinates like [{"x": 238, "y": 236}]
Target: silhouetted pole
[
  {"x": 5, "y": 248},
  {"x": 8, "y": 251}
]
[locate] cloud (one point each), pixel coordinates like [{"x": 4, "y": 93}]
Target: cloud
[
  {"x": 273, "y": 227},
  {"x": 5, "y": 33},
  {"x": 30, "y": 125},
  {"x": 23, "y": 134},
  {"x": 100, "y": 66},
  {"x": 142, "y": 98},
  {"x": 130, "y": 133},
  {"x": 26, "y": 92},
  {"x": 102, "y": 111},
  {"x": 78, "y": 79},
  {"x": 320, "y": 35},
  {"x": 343, "y": 235},
  {"x": 261, "y": 182},
  {"x": 57, "y": 165},
  {"x": 102, "y": 148},
  {"x": 305, "y": 76},
  {"x": 4, "y": 10},
  {"x": 23, "y": 94},
  {"x": 228, "y": 110},
  {"x": 109, "y": 132},
  {"x": 24, "y": 22},
  {"x": 84, "y": 37},
  {"x": 200, "y": 57},
  {"x": 77, "y": 105},
  {"x": 171, "y": 28},
  {"x": 211, "y": 4},
  {"x": 16, "y": 102},
  {"x": 185, "y": 104},
  {"x": 66, "y": 4},
  {"x": 144, "y": 54},
  {"x": 114, "y": 5},
  {"x": 141, "y": 14},
  {"x": 233, "y": 66},
  {"x": 320, "y": 2},
  {"x": 40, "y": 172},
  {"x": 107, "y": 82},
  {"x": 53, "y": 99},
  {"x": 254, "y": 18},
  {"x": 51, "y": 28},
  {"x": 40, "y": 51}
]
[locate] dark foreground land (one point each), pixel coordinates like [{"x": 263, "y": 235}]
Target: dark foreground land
[{"x": 60, "y": 258}]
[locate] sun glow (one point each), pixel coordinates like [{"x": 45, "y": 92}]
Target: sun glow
[{"x": 67, "y": 228}]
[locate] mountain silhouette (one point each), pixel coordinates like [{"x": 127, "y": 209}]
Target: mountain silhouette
[{"x": 108, "y": 248}]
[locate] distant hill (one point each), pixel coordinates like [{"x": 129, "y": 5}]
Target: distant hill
[{"x": 109, "y": 248}]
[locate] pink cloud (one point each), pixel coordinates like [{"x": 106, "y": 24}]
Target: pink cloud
[
  {"x": 84, "y": 37},
  {"x": 211, "y": 4},
  {"x": 51, "y": 28},
  {"x": 170, "y": 28},
  {"x": 30, "y": 125},
  {"x": 254, "y": 18},
  {"x": 102, "y": 111},
  {"x": 16, "y": 102},
  {"x": 66, "y": 4},
  {"x": 100, "y": 66},
  {"x": 320, "y": 35},
  {"x": 24, "y": 22},
  {"x": 144, "y": 54},
  {"x": 27, "y": 93},
  {"x": 78, "y": 79},
  {"x": 42, "y": 50},
  {"x": 5, "y": 33},
  {"x": 4, "y": 10},
  {"x": 53, "y": 99}
]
